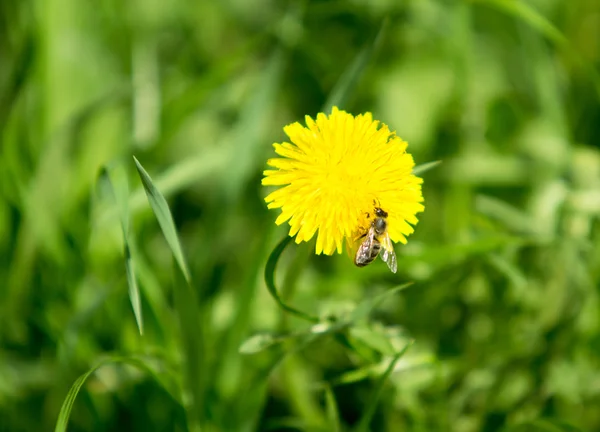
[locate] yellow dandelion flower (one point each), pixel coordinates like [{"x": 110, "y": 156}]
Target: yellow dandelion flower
[{"x": 333, "y": 172}]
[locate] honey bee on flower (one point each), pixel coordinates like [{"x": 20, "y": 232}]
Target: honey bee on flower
[
  {"x": 374, "y": 240},
  {"x": 330, "y": 176}
]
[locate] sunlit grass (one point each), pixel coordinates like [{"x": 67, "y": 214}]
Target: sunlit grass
[{"x": 157, "y": 294}]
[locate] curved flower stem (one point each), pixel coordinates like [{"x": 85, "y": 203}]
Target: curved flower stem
[{"x": 270, "y": 281}]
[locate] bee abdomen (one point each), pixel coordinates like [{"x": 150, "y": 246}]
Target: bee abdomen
[
  {"x": 375, "y": 250},
  {"x": 365, "y": 259}
]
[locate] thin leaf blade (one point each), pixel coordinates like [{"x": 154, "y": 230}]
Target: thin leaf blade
[
  {"x": 331, "y": 409},
  {"x": 365, "y": 420},
  {"x": 192, "y": 341},
  {"x": 340, "y": 93},
  {"x": 367, "y": 305},
  {"x": 163, "y": 215},
  {"x": 67, "y": 406},
  {"x": 115, "y": 182},
  {"x": 422, "y": 168}
]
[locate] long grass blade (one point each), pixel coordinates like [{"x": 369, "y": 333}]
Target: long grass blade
[
  {"x": 365, "y": 420},
  {"x": 349, "y": 80},
  {"x": 538, "y": 22},
  {"x": 67, "y": 406},
  {"x": 543, "y": 425},
  {"x": 119, "y": 192},
  {"x": 140, "y": 363},
  {"x": 192, "y": 334},
  {"x": 165, "y": 219},
  {"x": 366, "y": 306},
  {"x": 331, "y": 409},
  {"x": 251, "y": 126},
  {"x": 186, "y": 304},
  {"x": 422, "y": 168}
]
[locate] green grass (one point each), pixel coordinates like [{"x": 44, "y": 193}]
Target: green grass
[{"x": 156, "y": 293}]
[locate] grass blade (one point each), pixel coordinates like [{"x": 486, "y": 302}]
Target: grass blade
[
  {"x": 186, "y": 304},
  {"x": 333, "y": 416},
  {"x": 257, "y": 343},
  {"x": 67, "y": 406},
  {"x": 251, "y": 128},
  {"x": 374, "y": 370},
  {"x": 165, "y": 219},
  {"x": 348, "y": 81},
  {"x": 367, "y": 305},
  {"x": 270, "y": 281},
  {"x": 422, "y": 168},
  {"x": 509, "y": 216},
  {"x": 530, "y": 16},
  {"x": 365, "y": 420},
  {"x": 543, "y": 425},
  {"x": 134, "y": 291},
  {"x": 120, "y": 195},
  {"x": 545, "y": 27}
]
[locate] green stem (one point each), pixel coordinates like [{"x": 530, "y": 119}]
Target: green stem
[{"x": 270, "y": 281}]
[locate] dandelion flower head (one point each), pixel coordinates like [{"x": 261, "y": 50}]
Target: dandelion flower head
[{"x": 333, "y": 174}]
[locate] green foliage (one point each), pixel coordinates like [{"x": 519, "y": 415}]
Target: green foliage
[
  {"x": 171, "y": 303},
  {"x": 120, "y": 195}
]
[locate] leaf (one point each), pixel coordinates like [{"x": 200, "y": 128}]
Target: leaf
[
  {"x": 186, "y": 305},
  {"x": 134, "y": 291},
  {"x": 374, "y": 399},
  {"x": 67, "y": 406},
  {"x": 543, "y": 425},
  {"x": 120, "y": 195},
  {"x": 331, "y": 409},
  {"x": 538, "y": 22},
  {"x": 165, "y": 219},
  {"x": 254, "y": 119},
  {"x": 270, "y": 281},
  {"x": 351, "y": 76},
  {"x": 422, "y": 168},
  {"x": 192, "y": 346},
  {"x": 286, "y": 423},
  {"x": 366, "y": 306},
  {"x": 356, "y": 375},
  {"x": 258, "y": 343},
  {"x": 374, "y": 369},
  {"x": 374, "y": 339},
  {"x": 263, "y": 341},
  {"x": 532, "y": 17},
  {"x": 507, "y": 214}
]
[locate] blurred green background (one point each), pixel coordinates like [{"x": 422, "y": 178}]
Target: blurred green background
[{"x": 504, "y": 308}]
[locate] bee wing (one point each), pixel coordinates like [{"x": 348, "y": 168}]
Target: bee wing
[
  {"x": 364, "y": 250},
  {"x": 388, "y": 255}
]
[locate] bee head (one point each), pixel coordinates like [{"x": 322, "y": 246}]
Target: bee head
[{"x": 379, "y": 212}]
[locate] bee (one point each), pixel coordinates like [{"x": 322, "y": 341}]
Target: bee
[{"x": 376, "y": 239}]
